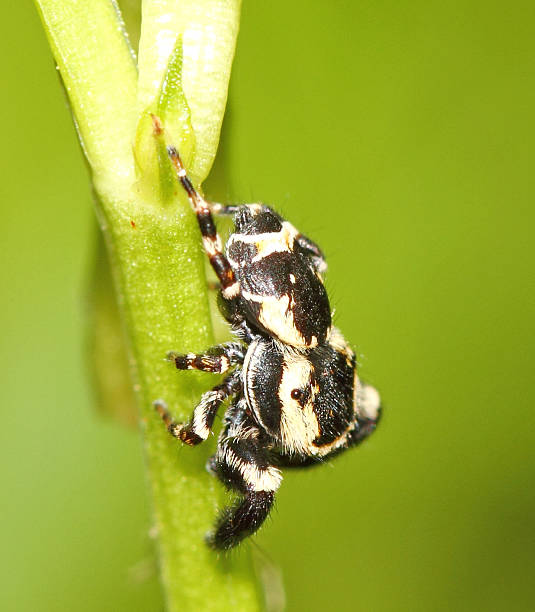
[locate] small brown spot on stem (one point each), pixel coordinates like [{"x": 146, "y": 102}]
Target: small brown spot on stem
[{"x": 156, "y": 124}]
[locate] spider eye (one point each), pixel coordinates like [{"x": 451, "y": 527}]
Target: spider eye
[{"x": 296, "y": 394}]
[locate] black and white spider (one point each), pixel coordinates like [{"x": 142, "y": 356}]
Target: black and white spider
[{"x": 297, "y": 399}]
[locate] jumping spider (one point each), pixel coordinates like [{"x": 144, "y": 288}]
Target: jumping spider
[{"x": 297, "y": 399}]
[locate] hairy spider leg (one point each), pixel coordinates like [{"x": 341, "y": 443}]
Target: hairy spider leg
[
  {"x": 199, "y": 427},
  {"x": 243, "y": 463},
  {"x": 217, "y": 359},
  {"x": 210, "y": 238}
]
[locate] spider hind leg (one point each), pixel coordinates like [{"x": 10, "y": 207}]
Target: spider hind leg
[
  {"x": 243, "y": 463},
  {"x": 241, "y": 520}
]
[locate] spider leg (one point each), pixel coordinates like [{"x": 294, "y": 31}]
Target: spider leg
[
  {"x": 217, "y": 359},
  {"x": 226, "y": 209},
  {"x": 243, "y": 463},
  {"x": 313, "y": 252},
  {"x": 200, "y": 425},
  {"x": 211, "y": 240},
  {"x": 229, "y": 285}
]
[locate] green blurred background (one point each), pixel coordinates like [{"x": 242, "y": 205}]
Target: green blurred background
[{"x": 399, "y": 135}]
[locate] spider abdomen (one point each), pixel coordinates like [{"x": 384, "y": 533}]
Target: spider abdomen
[{"x": 303, "y": 399}]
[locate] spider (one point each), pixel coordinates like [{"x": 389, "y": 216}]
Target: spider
[{"x": 296, "y": 397}]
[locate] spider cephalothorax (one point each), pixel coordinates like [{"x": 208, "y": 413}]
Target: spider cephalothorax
[{"x": 297, "y": 399}]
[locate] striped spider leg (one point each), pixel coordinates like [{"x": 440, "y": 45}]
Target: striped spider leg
[{"x": 216, "y": 360}]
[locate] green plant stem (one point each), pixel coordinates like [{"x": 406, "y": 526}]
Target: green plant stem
[
  {"x": 154, "y": 248},
  {"x": 99, "y": 73}
]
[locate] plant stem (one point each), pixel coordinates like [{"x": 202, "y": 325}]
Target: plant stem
[{"x": 153, "y": 243}]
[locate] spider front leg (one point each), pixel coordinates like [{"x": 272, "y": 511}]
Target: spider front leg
[
  {"x": 200, "y": 426},
  {"x": 211, "y": 240},
  {"x": 243, "y": 464},
  {"x": 217, "y": 359},
  {"x": 228, "y": 284}
]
